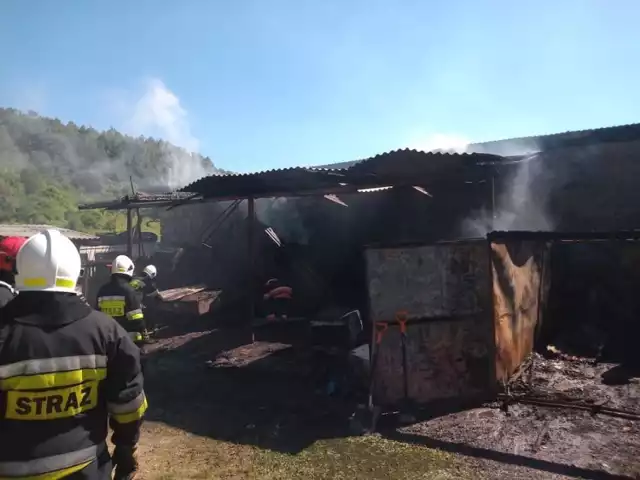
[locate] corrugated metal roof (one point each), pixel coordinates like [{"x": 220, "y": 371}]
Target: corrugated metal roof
[
  {"x": 374, "y": 189},
  {"x": 524, "y": 145},
  {"x": 157, "y": 197},
  {"x": 19, "y": 230},
  {"x": 390, "y": 165},
  {"x": 340, "y": 166},
  {"x": 575, "y": 138},
  {"x": 151, "y": 199}
]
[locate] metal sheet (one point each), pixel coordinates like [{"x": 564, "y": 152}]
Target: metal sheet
[
  {"x": 517, "y": 274},
  {"x": 427, "y": 281},
  {"x": 22, "y": 230},
  {"x": 445, "y": 360},
  {"x": 188, "y": 301},
  {"x": 445, "y": 290},
  {"x": 177, "y": 294}
]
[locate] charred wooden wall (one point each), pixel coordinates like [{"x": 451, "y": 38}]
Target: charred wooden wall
[
  {"x": 585, "y": 188},
  {"x": 214, "y": 253},
  {"x": 594, "y": 302},
  {"x": 334, "y": 236}
]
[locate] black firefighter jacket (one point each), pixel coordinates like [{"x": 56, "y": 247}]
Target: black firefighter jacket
[
  {"x": 6, "y": 293},
  {"x": 64, "y": 369},
  {"x": 145, "y": 287},
  {"x": 119, "y": 300}
]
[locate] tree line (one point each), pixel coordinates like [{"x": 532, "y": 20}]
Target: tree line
[{"x": 48, "y": 167}]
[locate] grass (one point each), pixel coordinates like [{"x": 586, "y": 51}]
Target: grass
[{"x": 167, "y": 453}]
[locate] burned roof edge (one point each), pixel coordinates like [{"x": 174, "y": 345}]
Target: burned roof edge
[
  {"x": 561, "y": 235},
  {"x": 345, "y": 166},
  {"x": 615, "y": 133}
]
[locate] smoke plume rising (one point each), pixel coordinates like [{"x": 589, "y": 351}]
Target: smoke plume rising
[
  {"x": 283, "y": 216},
  {"x": 520, "y": 200},
  {"x": 521, "y": 191},
  {"x": 441, "y": 142},
  {"x": 159, "y": 113}
]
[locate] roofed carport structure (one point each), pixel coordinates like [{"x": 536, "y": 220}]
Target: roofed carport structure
[{"x": 400, "y": 168}]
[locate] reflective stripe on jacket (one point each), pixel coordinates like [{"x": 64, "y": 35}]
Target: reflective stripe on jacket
[
  {"x": 64, "y": 369},
  {"x": 145, "y": 286},
  {"x": 119, "y": 300},
  {"x": 7, "y": 293},
  {"x": 54, "y": 467}
]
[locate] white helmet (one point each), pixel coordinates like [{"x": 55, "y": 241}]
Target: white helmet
[
  {"x": 151, "y": 271},
  {"x": 122, "y": 265},
  {"x": 48, "y": 262}
]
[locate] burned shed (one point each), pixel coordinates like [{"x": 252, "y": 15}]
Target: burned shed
[
  {"x": 472, "y": 309},
  {"x": 539, "y": 183},
  {"x": 323, "y": 216},
  {"x": 477, "y": 309}
]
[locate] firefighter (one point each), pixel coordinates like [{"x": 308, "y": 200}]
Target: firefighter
[
  {"x": 65, "y": 370},
  {"x": 9, "y": 247},
  {"x": 118, "y": 299},
  {"x": 147, "y": 290},
  {"x": 277, "y": 298},
  {"x": 145, "y": 284}
]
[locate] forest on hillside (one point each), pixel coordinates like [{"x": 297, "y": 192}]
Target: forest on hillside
[{"x": 47, "y": 167}]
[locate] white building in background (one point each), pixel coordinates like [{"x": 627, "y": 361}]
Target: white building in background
[{"x": 94, "y": 255}]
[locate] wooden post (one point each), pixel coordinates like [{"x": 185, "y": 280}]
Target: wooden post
[
  {"x": 129, "y": 233},
  {"x": 251, "y": 240},
  {"x": 493, "y": 199},
  {"x": 88, "y": 271},
  {"x": 139, "y": 228}
]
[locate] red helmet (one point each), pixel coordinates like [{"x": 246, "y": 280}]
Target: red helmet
[{"x": 9, "y": 247}]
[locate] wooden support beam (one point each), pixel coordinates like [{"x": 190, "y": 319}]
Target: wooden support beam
[
  {"x": 251, "y": 240},
  {"x": 129, "y": 233}
]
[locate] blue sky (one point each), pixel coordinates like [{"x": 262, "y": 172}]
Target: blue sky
[{"x": 259, "y": 84}]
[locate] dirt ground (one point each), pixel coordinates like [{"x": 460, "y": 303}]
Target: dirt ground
[
  {"x": 210, "y": 417},
  {"x": 558, "y": 440},
  {"x": 214, "y": 415}
]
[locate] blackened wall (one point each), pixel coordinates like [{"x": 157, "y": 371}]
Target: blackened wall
[{"x": 592, "y": 188}]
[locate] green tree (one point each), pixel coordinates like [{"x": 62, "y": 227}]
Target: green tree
[
  {"x": 47, "y": 167},
  {"x": 31, "y": 181}
]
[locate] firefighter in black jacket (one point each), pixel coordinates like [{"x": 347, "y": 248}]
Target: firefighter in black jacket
[
  {"x": 64, "y": 370},
  {"x": 147, "y": 290},
  {"x": 9, "y": 247},
  {"x": 145, "y": 284},
  {"x": 119, "y": 300}
]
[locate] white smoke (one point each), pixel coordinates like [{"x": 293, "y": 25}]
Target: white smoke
[
  {"x": 158, "y": 113},
  {"x": 283, "y": 216},
  {"x": 521, "y": 203},
  {"x": 441, "y": 142}
]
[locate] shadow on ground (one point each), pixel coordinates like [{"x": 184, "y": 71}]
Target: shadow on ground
[
  {"x": 256, "y": 405},
  {"x": 504, "y": 458},
  {"x": 274, "y": 403}
]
